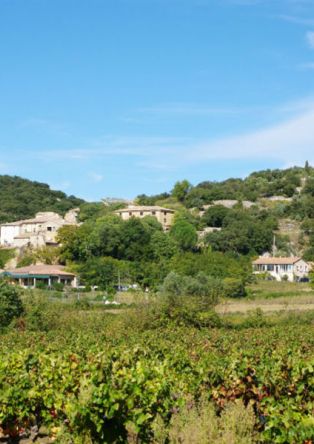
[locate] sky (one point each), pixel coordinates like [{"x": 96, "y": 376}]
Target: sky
[{"x": 115, "y": 98}]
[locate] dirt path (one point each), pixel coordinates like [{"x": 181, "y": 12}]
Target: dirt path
[{"x": 271, "y": 306}]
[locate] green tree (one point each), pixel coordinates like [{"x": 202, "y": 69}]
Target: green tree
[
  {"x": 215, "y": 216},
  {"x": 181, "y": 189},
  {"x": 185, "y": 235},
  {"x": 10, "y": 304}
]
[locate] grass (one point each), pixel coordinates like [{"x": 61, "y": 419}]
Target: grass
[
  {"x": 271, "y": 296},
  {"x": 275, "y": 289}
]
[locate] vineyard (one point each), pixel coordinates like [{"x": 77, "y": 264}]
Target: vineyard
[{"x": 86, "y": 376}]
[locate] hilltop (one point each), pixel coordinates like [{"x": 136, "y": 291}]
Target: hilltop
[{"x": 22, "y": 198}]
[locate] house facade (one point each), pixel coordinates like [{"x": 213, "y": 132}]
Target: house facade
[
  {"x": 163, "y": 215},
  {"x": 29, "y": 277},
  {"x": 37, "y": 232},
  {"x": 282, "y": 268}
]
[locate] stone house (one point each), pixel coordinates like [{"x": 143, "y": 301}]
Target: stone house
[
  {"x": 282, "y": 268},
  {"x": 163, "y": 215},
  {"x": 37, "y": 232}
]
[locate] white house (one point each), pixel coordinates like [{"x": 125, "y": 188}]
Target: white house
[
  {"x": 282, "y": 268},
  {"x": 36, "y": 232}
]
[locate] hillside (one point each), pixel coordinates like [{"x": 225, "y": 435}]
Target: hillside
[
  {"x": 280, "y": 200},
  {"x": 21, "y": 199}
]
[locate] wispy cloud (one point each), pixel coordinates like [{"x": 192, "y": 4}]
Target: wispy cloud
[
  {"x": 289, "y": 141},
  {"x": 64, "y": 185},
  {"x": 190, "y": 109},
  {"x": 310, "y": 39},
  {"x": 95, "y": 177}
]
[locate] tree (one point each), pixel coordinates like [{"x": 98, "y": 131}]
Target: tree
[
  {"x": 215, "y": 216},
  {"x": 10, "y": 304},
  {"x": 181, "y": 189},
  {"x": 185, "y": 234}
]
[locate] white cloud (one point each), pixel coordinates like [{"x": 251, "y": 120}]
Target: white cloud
[
  {"x": 310, "y": 39},
  {"x": 289, "y": 141},
  {"x": 65, "y": 185},
  {"x": 96, "y": 177},
  {"x": 190, "y": 109}
]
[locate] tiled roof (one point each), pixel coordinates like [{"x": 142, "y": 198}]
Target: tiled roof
[
  {"x": 38, "y": 220},
  {"x": 276, "y": 260},
  {"x": 52, "y": 270},
  {"x": 144, "y": 208}
]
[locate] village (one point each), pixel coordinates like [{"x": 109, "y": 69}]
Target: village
[{"x": 42, "y": 231}]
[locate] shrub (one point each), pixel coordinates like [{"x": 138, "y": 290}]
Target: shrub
[
  {"x": 40, "y": 314},
  {"x": 10, "y": 304},
  {"x": 233, "y": 288},
  {"x": 199, "y": 424}
]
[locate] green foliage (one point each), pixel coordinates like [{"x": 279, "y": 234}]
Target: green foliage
[
  {"x": 22, "y": 199},
  {"x": 45, "y": 255},
  {"x": 190, "y": 301},
  {"x": 10, "y": 304},
  {"x": 233, "y": 288},
  {"x": 215, "y": 216},
  {"x": 181, "y": 189},
  {"x": 5, "y": 255},
  {"x": 93, "y": 377},
  {"x": 198, "y": 423},
  {"x": 185, "y": 234},
  {"x": 243, "y": 233}
]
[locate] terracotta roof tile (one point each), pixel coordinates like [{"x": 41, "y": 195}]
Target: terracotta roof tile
[{"x": 276, "y": 260}]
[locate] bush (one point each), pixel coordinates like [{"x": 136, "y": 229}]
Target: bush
[
  {"x": 199, "y": 424},
  {"x": 58, "y": 286},
  {"x": 233, "y": 288},
  {"x": 40, "y": 314},
  {"x": 10, "y": 304}
]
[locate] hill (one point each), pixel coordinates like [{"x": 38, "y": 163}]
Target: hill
[
  {"x": 21, "y": 199},
  {"x": 265, "y": 184}
]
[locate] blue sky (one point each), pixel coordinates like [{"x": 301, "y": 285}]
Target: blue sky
[{"x": 121, "y": 97}]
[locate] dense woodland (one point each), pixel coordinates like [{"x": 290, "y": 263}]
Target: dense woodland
[{"x": 22, "y": 199}]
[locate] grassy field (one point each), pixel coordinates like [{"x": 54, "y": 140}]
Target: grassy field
[{"x": 270, "y": 296}]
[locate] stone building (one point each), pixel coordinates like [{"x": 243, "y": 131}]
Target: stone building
[
  {"x": 37, "y": 232},
  {"x": 163, "y": 215}
]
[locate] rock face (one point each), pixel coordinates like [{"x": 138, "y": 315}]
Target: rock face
[{"x": 71, "y": 216}]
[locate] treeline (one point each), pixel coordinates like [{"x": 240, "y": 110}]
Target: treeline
[
  {"x": 22, "y": 199},
  {"x": 262, "y": 184}
]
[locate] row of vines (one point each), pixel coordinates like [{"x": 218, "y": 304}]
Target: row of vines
[{"x": 92, "y": 381}]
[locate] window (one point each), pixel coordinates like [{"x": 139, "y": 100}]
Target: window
[
  {"x": 141, "y": 213},
  {"x": 154, "y": 213},
  {"x": 130, "y": 213},
  {"x": 49, "y": 228},
  {"x": 270, "y": 268}
]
